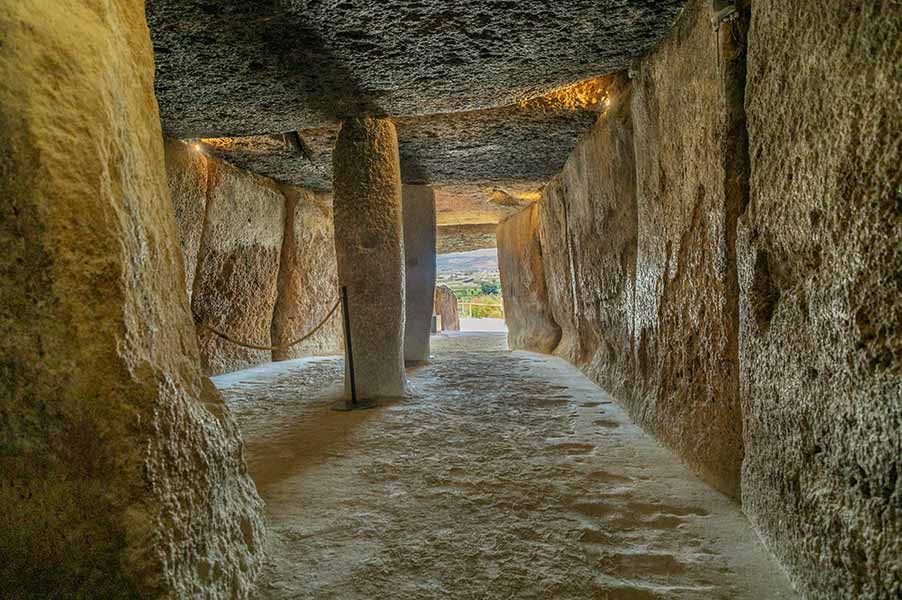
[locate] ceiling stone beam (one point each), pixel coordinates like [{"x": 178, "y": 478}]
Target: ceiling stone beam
[{"x": 235, "y": 68}]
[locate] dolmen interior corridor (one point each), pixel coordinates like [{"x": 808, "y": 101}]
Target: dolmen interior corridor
[{"x": 472, "y": 300}]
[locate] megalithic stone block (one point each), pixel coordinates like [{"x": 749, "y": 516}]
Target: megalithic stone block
[
  {"x": 370, "y": 251},
  {"x": 122, "y": 473},
  {"x": 419, "y": 265}
]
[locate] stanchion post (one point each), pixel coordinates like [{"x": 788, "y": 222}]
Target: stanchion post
[{"x": 349, "y": 348}]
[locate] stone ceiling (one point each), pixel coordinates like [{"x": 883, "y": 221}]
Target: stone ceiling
[
  {"x": 489, "y": 96},
  {"x": 499, "y": 146},
  {"x": 239, "y": 67}
]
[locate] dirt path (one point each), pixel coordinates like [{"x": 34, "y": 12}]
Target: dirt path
[{"x": 504, "y": 475}]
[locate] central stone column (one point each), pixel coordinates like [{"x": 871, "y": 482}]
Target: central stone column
[
  {"x": 419, "y": 257},
  {"x": 370, "y": 252}
]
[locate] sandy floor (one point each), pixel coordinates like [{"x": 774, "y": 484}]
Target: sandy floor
[{"x": 504, "y": 475}]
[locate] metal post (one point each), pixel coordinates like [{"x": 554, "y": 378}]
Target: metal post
[{"x": 348, "y": 346}]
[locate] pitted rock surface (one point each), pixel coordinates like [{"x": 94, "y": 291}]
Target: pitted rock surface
[
  {"x": 821, "y": 304},
  {"x": 308, "y": 279},
  {"x": 446, "y": 308},
  {"x": 186, "y": 172},
  {"x": 369, "y": 250},
  {"x": 235, "y": 289},
  {"x": 636, "y": 239},
  {"x": 122, "y": 472},
  {"x": 502, "y": 146},
  {"x": 239, "y": 68},
  {"x": 465, "y": 238},
  {"x": 527, "y": 312}
]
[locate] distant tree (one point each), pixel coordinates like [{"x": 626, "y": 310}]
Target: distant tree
[{"x": 489, "y": 288}]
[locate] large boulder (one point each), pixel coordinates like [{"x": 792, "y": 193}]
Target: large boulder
[
  {"x": 308, "y": 280},
  {"x": 419, "y": 270},
  {"x": 238, "y": 68},
  {"x": 186, "y": 171},
  {"x": 638, "y": 239},
  {"x": 530, "y": 323},
  {"x": 446, "y": 308},
  {"x": 121, "y": 470},
  {"x": 235, "y": 288},
  {"x": 821, "y": 281},
  {"x": 691, "y": 182},
  {"x": 369, "y": 248}
]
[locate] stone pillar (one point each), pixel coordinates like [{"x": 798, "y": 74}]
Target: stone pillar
[
  {"x": 419, "y": 262},
  {"x": 121, "y": 470},
  {"x": 369, "y": 250}
]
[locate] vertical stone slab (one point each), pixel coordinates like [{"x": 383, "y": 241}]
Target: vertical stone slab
[
  {"x": 557, "y": 258},
  {"x": 821, "y": 270},
  {"x": 121, "y": 470},
  {"x": 308, "y": 279},
  {"x": 688, "y": 174},
  {"x": 419, "y": 265},
  {"x": 530, "y": 324},
  {"x": 446, "y": 308},
  {"x": 186, "y": 171},
  {"x": 370, "y": 251},
  {"x": 238, "y": 267},
  {"x": 600, "y": 176}
]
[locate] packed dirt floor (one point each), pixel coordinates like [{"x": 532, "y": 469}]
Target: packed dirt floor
[{"x": 502, "y": 475}]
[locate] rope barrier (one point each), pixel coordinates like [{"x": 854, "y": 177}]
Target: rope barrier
[{"x": 229, "y": 338}]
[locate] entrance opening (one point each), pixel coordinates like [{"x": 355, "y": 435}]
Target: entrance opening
[{"x": 474, "y": 279}]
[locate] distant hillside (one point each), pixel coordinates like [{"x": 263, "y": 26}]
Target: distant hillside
[{"x": 477, "y": 261}]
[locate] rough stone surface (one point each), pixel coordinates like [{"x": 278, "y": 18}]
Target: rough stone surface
[
  {"x": 557, "y": 251},
  {"x": 287, "y": 159},
  {"x": 236, "y": 284},
  {"x": 186, "y": 171},
  {"x": 511, "y": 144},
  {"x": 690, "y": 188},
  {"x": 500, "y": 146},
  {"x": 419, "y": 270},
  {"x": 527, "y": 313},
  {"x": 273, "y": 66},
  {"x": 638, "y": 234},
  {"x": 446, "y": 308},
  {"x": 820, "y": 272},
  {"x": 121, "y": 471},
  {"x": 475, "y": 204},
  {"x": 308, "y": 279},
  {"x": 370, "y": 252},
  {"x": 600, "y": 182},
  {"x": 507, "y": 475},
  {"x": 465, "y": 238}
]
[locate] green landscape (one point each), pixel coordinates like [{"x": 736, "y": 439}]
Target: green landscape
[{"x": 474, "y": 278}]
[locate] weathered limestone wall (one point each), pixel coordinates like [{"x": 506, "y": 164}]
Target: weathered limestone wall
[
  {"x": 557, "y": 255},
  {"x": 370, "y": 252},
  {"x": 121, "y": 470},
  {"x": 530, "y": 323},
  {"x": 419, "y": 270},
  {"x": 238, "y": 267},
  {"x": 308, "y": 279},
  {"x": 686, "y": 291},
  {"x": 600, "y": 179},
  {"x": 265, "y": 256},
  {"x": 771, "y": 364},
  {"x": 186, "y": 171},
  {"x": 821, "y": 270},
  {"x": 638, "y": 234},
  {"x": 446, "y": 308}
]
